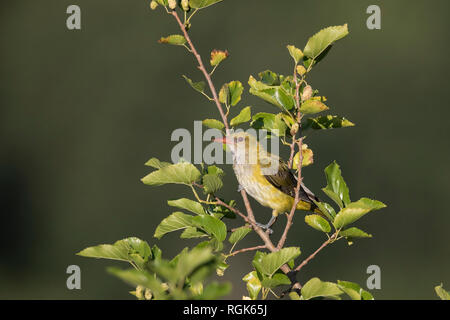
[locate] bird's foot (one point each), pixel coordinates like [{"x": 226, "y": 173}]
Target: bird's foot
[
  {"x": 265, "y": 227},
  {"x": 268, "y": 224}
]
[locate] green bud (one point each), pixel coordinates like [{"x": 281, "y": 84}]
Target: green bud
[
  {"x": 153, "y": 5},
  {"x": 148, "y": 294},
  {"x": 172, "y": 4},
  {"x": 139, "y": 292},
  {"x": 185, "y": 5},
  {"x": 164, "y": 286},
  {"x": 294, "y": 128},
  {"x": 307, "y": 93},
  {"x": 301, "y": 70}
]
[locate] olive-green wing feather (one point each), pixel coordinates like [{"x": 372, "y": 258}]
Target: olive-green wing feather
[{"x": 285, "y": 181}]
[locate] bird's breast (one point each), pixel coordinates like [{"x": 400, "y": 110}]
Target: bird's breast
[{"x": 257, "y": 186}]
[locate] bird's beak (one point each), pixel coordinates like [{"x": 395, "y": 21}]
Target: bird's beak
[{"x": 223, "y": 140}]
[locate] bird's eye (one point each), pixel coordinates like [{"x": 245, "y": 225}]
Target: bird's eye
[{"x": 240, "y": 139}]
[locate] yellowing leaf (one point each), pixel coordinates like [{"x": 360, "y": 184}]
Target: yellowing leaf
[
  {"x": 253, "y": 284},
  {"x": 444, "y": 295},
  {"x": 175, "y": 39},
  {"x": 295, "y": 53},
  {"x": 231, "y": 92},
  {"x": 217, "y": 56},
  {"x": 307, "y": 157},
  {"x": 312, "y": 105}
]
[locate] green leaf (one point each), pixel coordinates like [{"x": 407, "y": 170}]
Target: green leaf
[
  {"x": 200, "y": 4},
  {"x": 214, "y": 291},
  {"x": 198, "y": 86},
  {"x": 215, "y": 170},
  {"x": 239, "y": 234},
  {"x": 192, "y": 232},
  {"x": 175, "y": 39},
  {"x": 243, "y": 116},
  {"x": 317, "y": 288},
  {"x": 219, "y": 211},
  {"x": 140, "y": 278},
  {"x": 276, "y": 95},
  {"x": 354, "y": 291},
  {"x": 213, "y": 123},
  {"x": 212, "y": 226},
  {"x": 120, "y": 250},
  {"x": 328, "y": 122},
  {"x": 221, "y": 267},
  {"x": 294, "y": 295},
  {"x": 216, "y": 245},
  {"x": 276, "y": 280},
  {"x": 269, "y": 78},
  {"x": 188, "y": 261},
  {"x": 253, "y": 284},
  {"x": 281, "y": 98},
  {"x": 231, "y": 92},
  {"x": 295, "y": 53},
  {"x": 444, "y": 295},
  {"x": 312, "y": 106},
  {"x": 217, "y": 56},
  {"x": 271, "y": 262},
  {"x": 354, "y": 233},
  {"x": 155, "y": 163},
  {"x": 319, "y": 42},
  {"x": 270, "y": 122},
  {"x": 156, "y": 252},
  {"x": 355, "y": 211},
  {"x": 336, "y": 187},
  {"x": 179, "y": 173},
  {"x": 257, "y": 260},
  {"x": 176, "y": 221},
  {"x": 318, "y": 223},
  {"x": 188, "y": 204},
  {"x": 326, "y": 209},
  {"x": 211, "y": 183}
]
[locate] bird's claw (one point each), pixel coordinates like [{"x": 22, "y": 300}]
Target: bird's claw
[{"x": 265, "y": 227}]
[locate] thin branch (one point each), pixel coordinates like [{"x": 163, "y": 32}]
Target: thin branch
[
  {"x": 246, "y": 249},
  {"x": 202, "y": 68},
  {"x": 243, "y": 216},
  {"x": 304, "y": 262},
  {"x": 299, "y": 143},
  {"x": 250, "y": 218}
]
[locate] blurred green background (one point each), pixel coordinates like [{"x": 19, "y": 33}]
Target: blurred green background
[{"x": 81, "y": 111}]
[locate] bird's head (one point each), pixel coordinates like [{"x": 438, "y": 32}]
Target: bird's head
[{"x": 244, "y": 146}]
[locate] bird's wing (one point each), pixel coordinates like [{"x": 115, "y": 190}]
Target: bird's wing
[{"x": 285, "y": 181}]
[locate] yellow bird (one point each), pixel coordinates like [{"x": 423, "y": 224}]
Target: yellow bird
[{"x": 265, "y": 177}]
